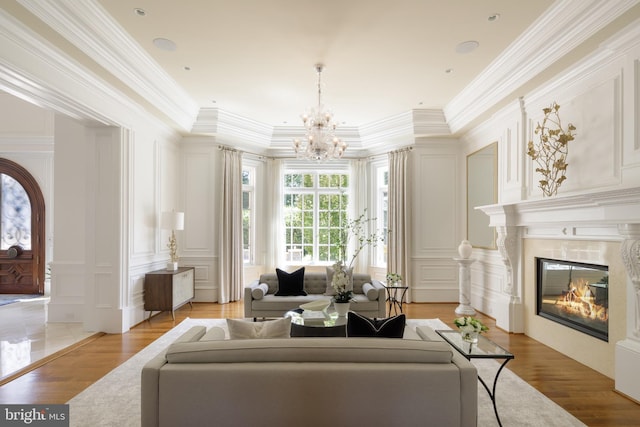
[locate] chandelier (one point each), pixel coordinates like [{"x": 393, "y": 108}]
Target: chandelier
[{"x": 320, "y": 142}]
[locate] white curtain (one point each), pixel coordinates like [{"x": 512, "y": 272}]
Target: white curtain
[
  {"x": 274, "y": 245},
  {"x": 230, "y": 250},
  {"x": 398, "y": 243},
  {"x": 358, "y": 200}
]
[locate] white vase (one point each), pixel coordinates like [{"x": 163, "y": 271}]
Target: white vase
[
  {"x": 342, "y": 308},
  {"x": 465, "y": 249}
]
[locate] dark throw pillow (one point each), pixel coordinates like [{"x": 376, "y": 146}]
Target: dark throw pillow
[
  {"x": 361, "y": 326},
  {"x": 290, "y": 284}
]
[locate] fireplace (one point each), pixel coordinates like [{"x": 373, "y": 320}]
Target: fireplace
[{"x": 574, "y": 294}]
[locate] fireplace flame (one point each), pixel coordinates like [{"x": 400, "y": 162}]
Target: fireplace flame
[{"x": 580, "y": 300}]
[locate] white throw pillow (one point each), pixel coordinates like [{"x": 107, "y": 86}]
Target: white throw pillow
[
  {"x": 260, "y": 291},
  {"x": 242, "y": 329}
]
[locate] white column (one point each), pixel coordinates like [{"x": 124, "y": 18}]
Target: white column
[{"x": 464, "y": 282}]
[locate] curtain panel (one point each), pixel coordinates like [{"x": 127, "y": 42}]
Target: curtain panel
[
  {"x": 230, "y": 284},
  {"x": 398, "y": 240},
  {"x": 358, "y": 197}
]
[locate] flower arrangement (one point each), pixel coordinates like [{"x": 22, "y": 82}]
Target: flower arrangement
[
  {"x": 469, "y": 324},
  {"x": 393, "y": 279},
  {"x": 550, "y": 153},
  {"x": 340, "y": 283}
]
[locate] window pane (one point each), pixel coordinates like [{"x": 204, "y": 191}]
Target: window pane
[
  {"x": 321, "y": 202},
  {"x": 16, "y": 214}
]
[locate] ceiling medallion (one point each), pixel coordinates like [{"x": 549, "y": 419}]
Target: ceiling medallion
[{"x": 319, "y": 142}]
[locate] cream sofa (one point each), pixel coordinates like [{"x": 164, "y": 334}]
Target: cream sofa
[
  {"x": 369, "y": 295},
  {"x": 372, "y": 382}
]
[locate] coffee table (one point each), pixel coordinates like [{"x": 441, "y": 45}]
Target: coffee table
[
  {"x": 317, "y": 324},
  {"x": 483, "y": 349}
]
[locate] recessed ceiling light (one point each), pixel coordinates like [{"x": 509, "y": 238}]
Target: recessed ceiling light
[
  {"x": 187, "y": 68},
  {"x": 164, "y": 44},
  {"x": 449, "y": 70},
  {"x": 467, "y": 47},
  {"x": 140, "y": 12},
  {"x": 494, "y": 17}
]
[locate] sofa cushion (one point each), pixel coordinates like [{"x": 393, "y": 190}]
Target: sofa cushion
[
  {"x": 242, "y": 329},
  {"x": 259, "y": 291},
  {"x": 321, "y": 350},
  {"x": 290, "y": 284},
  {"x": 330, "y": 290},
  {"x": 362, "y": 326}
]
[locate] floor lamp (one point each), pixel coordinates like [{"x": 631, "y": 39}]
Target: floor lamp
[{"x": 173, "y": 221}]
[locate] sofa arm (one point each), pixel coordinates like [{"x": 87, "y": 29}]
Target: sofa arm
[
  {"x": 469, "y": 389},
  {"x": 382, "y": 297},
  {"x": 150, "y": 391},
  {"x": 248, "y": 312}
]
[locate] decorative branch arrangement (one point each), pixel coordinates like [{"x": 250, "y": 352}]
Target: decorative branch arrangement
[
  {"x": 359, "y": 228},
  {"x": 550, "y": 153}
]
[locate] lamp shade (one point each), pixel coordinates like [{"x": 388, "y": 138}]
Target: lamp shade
[{"x": 172, "y": 221}]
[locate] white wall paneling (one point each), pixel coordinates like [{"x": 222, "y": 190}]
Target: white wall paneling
[{"x": 198, "y": 243}]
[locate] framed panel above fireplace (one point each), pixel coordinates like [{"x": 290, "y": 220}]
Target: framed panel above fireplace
[{"x": 574, "y": 294}]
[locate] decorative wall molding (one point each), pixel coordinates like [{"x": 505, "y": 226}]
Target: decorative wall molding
[
  {"x": 89, "y": 27},
  {"x": 563, "y": 27}
]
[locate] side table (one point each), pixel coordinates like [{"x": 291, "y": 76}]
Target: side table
[
  {"x": 483, "y": 349},
  {"x": 395, "y": 297}
]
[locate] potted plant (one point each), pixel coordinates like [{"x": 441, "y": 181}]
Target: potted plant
[
  {"x": 394, "y": 279},
  {"x": 340, "y": 284},
  {"x": 469, "y": 328}
]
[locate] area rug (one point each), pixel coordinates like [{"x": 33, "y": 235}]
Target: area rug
[
  {"x": 115, "y": 398},
  {"x": 11, "y": 298}
]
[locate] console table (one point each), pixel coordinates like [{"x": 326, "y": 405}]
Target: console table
[
  {"x": 483, "y": 349},
  {"x": 167, "y": 290}
]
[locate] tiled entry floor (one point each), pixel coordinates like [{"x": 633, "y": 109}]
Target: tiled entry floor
[{"x": 25, "y": 338}]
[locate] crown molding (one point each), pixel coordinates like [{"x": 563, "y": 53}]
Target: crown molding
[
  {"x": 87, "y": 25},
  {"x": 564, "y": 26},
  {"x": 430, "y": 122},
  {"x": 229, "y": 128},
  {"x": 34, "y": 70}
]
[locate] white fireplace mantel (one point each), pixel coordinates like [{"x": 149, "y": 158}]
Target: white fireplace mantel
[
  {"x": 606, "y": 215},
  {"x": 606, "y": 208}
]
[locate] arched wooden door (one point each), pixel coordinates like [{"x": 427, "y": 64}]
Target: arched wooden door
[{"x": 21, "y": 231}]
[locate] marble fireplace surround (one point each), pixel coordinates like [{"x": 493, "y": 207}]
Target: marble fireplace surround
[{"x": 607, "y": 216}]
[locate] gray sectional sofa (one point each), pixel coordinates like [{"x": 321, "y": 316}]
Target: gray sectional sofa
[
  {"x": 368, "y": 294},
  {"x": 203, "y": 379}
]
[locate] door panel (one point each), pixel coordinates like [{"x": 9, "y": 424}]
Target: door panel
[{"x": 21, "y": 231}]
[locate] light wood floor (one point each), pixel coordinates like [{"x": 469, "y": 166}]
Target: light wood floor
[{"x": 583, "y": 392}]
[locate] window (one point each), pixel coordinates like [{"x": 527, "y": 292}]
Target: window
[
  {"x": 315, "y": 208},
  {"x": 382, "y": 213},
  {"x": 248, "y": 220}
]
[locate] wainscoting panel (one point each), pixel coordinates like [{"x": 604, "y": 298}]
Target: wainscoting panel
[
  {"x": 434, "y": 280},
  {"x": 205, "y": 275}
]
